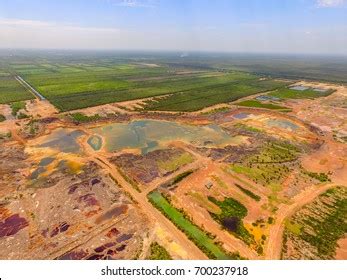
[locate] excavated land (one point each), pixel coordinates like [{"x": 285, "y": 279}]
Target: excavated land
[{"x": 246, "y": 178}]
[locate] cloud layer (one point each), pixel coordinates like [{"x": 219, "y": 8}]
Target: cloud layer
[
  {"x": 330, "y": 3},
  {"x": 245, "y": 37}
]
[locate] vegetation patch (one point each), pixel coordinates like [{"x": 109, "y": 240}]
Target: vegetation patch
[
  {"x": 313, "y": 231},
  {"x": 205, "y": 203},
  {"x": 81, "y": 118},
  {"x": 287, "y": 93},
  {"x": 257, "y": 104},
  {"x": 201, "y": 238},
  {"x": 12, "y": 91},
  {"x": 158, "y": 252},
  {"x": 16, "y": 106},
  {"x": 248, "y": 192},
  {"x": 216, "y": 110},
  {"x": 231, "y": 218},
  {"x": 199, "y": 98},
  {"x": 270, "y": 165},
  {"x": 2, "y": 118},
  {"x": 321, "y": 177},
  {"x": 181, "y": 176},
  {"x": 175, "y": 162}
]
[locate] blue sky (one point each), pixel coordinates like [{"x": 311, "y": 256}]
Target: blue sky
[{"x": 280, "y": 26}]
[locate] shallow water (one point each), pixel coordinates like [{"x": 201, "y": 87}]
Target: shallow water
[
  {"x": 37, "y": 172},
  {"x": 148, "y": 135},
  {"x": 63, "y": 140},
  {"x": 266, "y": 98},
  {"x": 241, "y": 116},
  {"x": 282, "y": 124},
  {"x": 46, "y": 161},
  {"x": 319, "y": 90},
  {"x": 301, "y": 88}
]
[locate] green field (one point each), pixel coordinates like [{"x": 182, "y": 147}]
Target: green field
[
  {"x": 11, "y": 90},
  {"x": 194, "y": 233},
  {"x": 287, "y": 93},
  {"x": 76, "y": 85},
  {"x": 257, "y": 104},
  {"x": 199, "y": 98}
]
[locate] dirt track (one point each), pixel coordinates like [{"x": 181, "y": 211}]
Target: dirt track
[
  {"x": 152, "y": 213},
  {"x": 274, "y": 245}
]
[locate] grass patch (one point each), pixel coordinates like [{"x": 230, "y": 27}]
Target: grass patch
[
  {"x": 16, "y": 106},
  {"x": 248, "y": 128},
  {"x": 248, "y": 192},
  {"x": 181, "y": 176},
  {"x": 175, "y": 162},
  {"x": 231, "y": 218},
  {"x": 158, "y": 252},
  {"x": 81, "y": 118},
  {"x": 257, "y": 104},
  {"x": 216, "y": 110},
  {"x": 203, "y": 201},
  {"x": 293, "y": 227}
]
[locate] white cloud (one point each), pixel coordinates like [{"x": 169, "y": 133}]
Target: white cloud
[
  {"x": 330, "y": 3},
  {"x": 136, "y": 3},
  {"x": 18, "y": 33}
]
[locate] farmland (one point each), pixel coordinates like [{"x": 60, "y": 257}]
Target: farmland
[
  {"x": 257, "y": 104},
  {"x": 11, "y": 90},
  {"x": 70, "y": 86},
  {"x": 287, "y": 93},
  {"x": 196, "y": 99}
]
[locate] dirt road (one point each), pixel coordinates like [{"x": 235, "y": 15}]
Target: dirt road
[
  {"x": 274, "y": 245},
  {"x": 151, "y": 212}
]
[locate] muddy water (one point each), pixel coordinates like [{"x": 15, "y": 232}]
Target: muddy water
[
  {"x": 148, "y": 135},
  {"x": 64, "y": 140},
  {"x": 301, "y": 88},
  {"x": 282, "y": 124}
]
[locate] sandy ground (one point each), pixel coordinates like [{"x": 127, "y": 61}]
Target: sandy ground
[
  {"x": 341, "y": 252},
  {"x": 40, "y": 108}
]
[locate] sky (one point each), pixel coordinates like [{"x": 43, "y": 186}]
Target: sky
[{"x": 256, "y": 26}]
